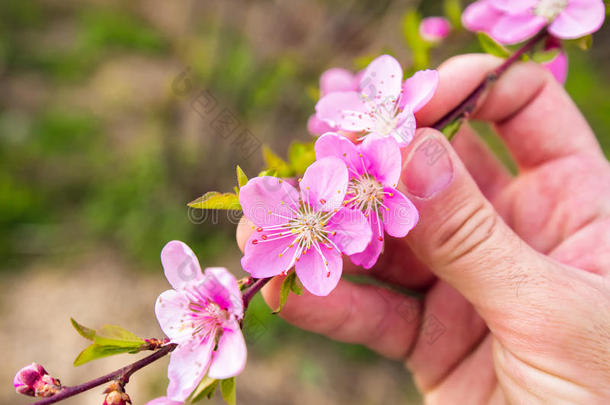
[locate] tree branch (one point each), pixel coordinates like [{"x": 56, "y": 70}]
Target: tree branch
[
  {"x": 122, "y": 375},
  {"x": 467, "y": 106}
]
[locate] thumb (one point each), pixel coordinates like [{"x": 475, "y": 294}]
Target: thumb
[{"x": 460, "y": 236}]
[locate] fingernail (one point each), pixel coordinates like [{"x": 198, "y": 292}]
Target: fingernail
[{"x": 428, "y": 169}]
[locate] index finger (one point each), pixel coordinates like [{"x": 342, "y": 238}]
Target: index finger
[{"x": 531, "y": 111}]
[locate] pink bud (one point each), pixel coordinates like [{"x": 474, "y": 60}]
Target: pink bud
[
  {"x": 115, "y": 395},
  {"x": 434, "y": 29},
  {"x": 34, "y": 381},
  {"x": 117, "y": 398}
]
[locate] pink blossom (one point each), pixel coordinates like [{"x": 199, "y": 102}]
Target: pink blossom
[
  {"x": 382, "y": 105},
  {"x": 333, "y": 80},
  {"x": 308, "y": 229},
  {"x": 558, "y": 66},
  {"x": 434, "y": 29},
  {"x": 201, "y": 315},
  {"x": 374, "y": 169},
  {"x": 513, "y": 21},
  {"x": 33, "y": 380},
  {"x": 164, "y": 401}
]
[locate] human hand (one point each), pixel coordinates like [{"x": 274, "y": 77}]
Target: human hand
[{"x": 514, "y": 270}]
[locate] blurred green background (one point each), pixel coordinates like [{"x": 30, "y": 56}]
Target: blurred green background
[{"x": 101, "y": 147}]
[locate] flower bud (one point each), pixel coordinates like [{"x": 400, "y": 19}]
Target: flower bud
[
  {"x": 434, "y": 29},
  {"x": 115, "y": 395},
  {"x": 34, "y": 381}
]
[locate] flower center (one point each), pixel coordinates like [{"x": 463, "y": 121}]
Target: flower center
[
  {"x": 365, "y": 193},
  {"x": 204, "y": 316},
  {"x": 550, "y": 9},
  {"x": 386, "y": 121},
  {"x": 309, "y": 228}
]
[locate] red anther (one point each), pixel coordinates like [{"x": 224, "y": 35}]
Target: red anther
[
  {"x": 254, "y": 242},
  {"x": 259, "y": 229},
  {"x": 264, "y": 237},
  {"x": 381, "y": 238},
  {"x": 322, "y": 201}
]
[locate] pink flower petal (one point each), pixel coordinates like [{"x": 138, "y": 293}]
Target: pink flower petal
[
  {"x": 221, "y": 287},
  {"x": 267, "y": 200},
  {"x": 317, "y": 277},
  {"x": 334, "y": 145},
  {"x": 188, "y": 364},
  {"x": 580, "y": 18},
  {"x": 170, "y": 309},
  {"x": 229, "y": 359},
  {"x": 511, "y": 29},
  {"x": 345, "y": 110},
  {"x": 382, "y": 80},
  {"x": 338, "y": 79},
  {"x": 350, "y": 229},
  {"x": 419, "y": 89},
  {"x": 317, "y": 126},
  {"x": 481, "y": 16},
  {"x": 383, "y": 158},
  {"x": 405, "y": 130},
  {"x": 369, "y": 256},
  {"x": 180, "y": 264},
  {"x": 434, "y": 29},
  {"x": 267, "y": 258},
  {"x": 513, "y": 6},
  {"x": 164, "y": 401},
  {"x": 400, "y": 216},
  {"x": 324, "y": 184},
  {"x": 558, "y": 67}
]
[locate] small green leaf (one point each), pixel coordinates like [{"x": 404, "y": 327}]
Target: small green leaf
[
  {"x": 205, "y": 389},
  {"x": 270, "y": 172},
  {"x": 227, "y": 388},
  {"x": 214, "y": 200},
  {"x": 289, "y": 284},
  {"x": 82, "y": 330},
  {"x": 545, "y": 56},
  {"x": 490, "y": 46},
  {"x": 296, "y": 286},
  {"x": 112, "y": 335},
  {"x": 453, "y": 12},
  {"x": 274, "y": 162},
  {"x": 242, "y": 179},
  {"x": 301, "y": 156},
  {"x": 95, "y": 351},
  {"x": 452, "y": 128}
]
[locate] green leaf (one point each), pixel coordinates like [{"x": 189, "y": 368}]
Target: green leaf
[
  {"x": 420, "y": 48},
  {"x": 205, "y": 389},
  {"x": 301, "y": 156},
  {"x": 82, "y": 330},
  {"x": 274, "y": 162},
  {"x": 452, "y": 128},
  {"x": 290, "y": 283},
  {"x": 490, "y": 46},
  {"x": 112, "y": 335},
  {"x": 270, "y": 172},
  {"x": 96, "y": 351},
  {"x": 545, "y": 56},
  {"x": 242, "y": 179},
  {"x": 227, "y": 388},
  {"x": 214, "y": 200},
  {"x": 453, "y": 12}
]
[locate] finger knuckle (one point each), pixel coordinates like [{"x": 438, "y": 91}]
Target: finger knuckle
[{"x": 467, "y": 232}]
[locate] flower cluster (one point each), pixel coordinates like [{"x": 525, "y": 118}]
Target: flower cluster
[{"x": 347, "y": 200}]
